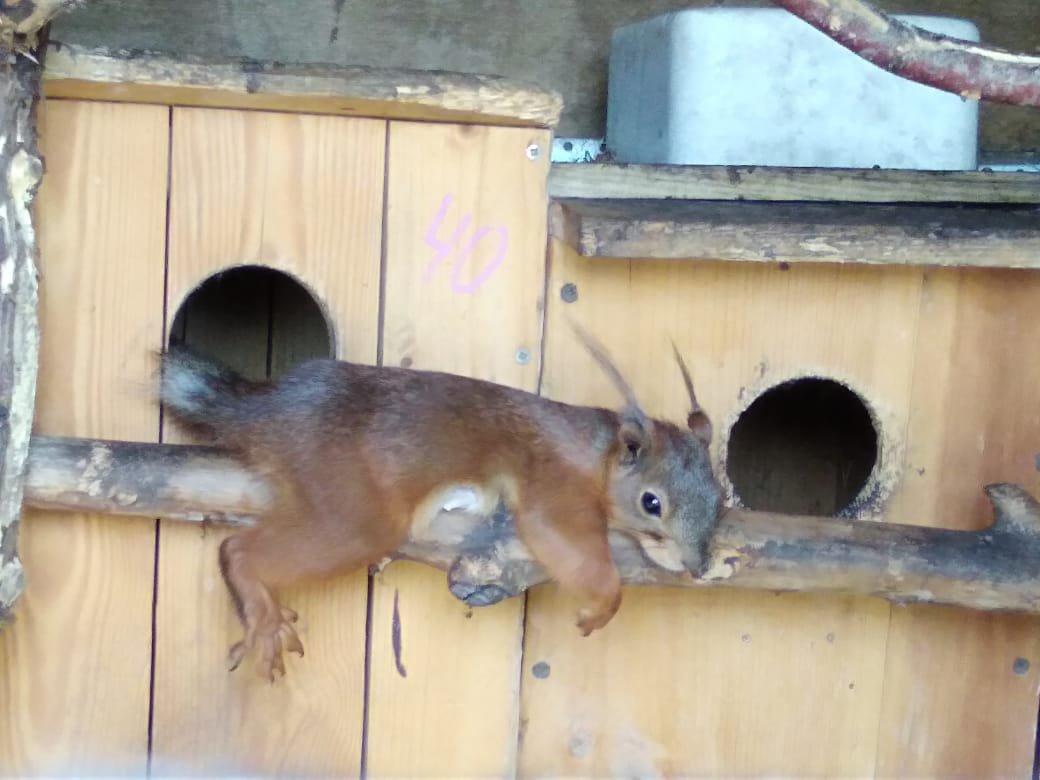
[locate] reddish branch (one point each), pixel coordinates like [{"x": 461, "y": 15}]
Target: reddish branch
[{"x": 964, "y": 68}]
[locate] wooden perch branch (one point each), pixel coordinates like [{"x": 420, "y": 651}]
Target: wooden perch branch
[
  {"x": 996, "y": 569},
  {"x": 964, "y": 68}
]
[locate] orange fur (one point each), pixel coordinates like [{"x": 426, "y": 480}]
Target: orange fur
[{"x": 355, "y": 453}]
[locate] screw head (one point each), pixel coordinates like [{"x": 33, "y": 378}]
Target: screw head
[
  {"x": 569, "y": 292},
  {"x": 533, "y": 151},
  {"x": 523, "y": 357}
]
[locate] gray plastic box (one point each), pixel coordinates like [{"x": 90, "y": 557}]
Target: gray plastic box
[{"x": 758, "y": 86}]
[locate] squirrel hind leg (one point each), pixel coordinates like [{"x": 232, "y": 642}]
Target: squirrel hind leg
[
  {"x": 268, "y": 625},
  {"x": 257, "y": 560}
]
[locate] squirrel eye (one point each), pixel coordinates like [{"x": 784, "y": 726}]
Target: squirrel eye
[{"x": 651, "y": 504}]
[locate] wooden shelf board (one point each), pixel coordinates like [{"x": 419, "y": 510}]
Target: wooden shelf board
[
  {"x": 935, "y": 235},
  {"x": 720, "y": 182}
]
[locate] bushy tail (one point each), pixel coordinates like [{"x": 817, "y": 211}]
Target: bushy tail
[{"x": 205, "y": 396}]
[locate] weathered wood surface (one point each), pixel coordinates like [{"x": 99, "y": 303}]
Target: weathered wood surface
[
  {"x": 90, "y": 578},
  {"x": 994, "y": 569},
  {"x": 464, "y": 277},
  {"x": 20, "y": 171},
  {"x": 954, "y": 703},
  {"x": 398, "y": 93},
  {"x": 303, "y": 195},
  {"x": 602, "y": 181},
  {"x": 928, "y": 235},
  {"x": 967, "y": 69}
]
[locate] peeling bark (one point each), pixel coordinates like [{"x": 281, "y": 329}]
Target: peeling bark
[
  {"x": 995, "y": 569},
  {"x": 974, "y": 72},
  {"x": 20, "y": 171}
]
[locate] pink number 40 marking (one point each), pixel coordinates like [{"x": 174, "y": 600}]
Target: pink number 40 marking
[{"x": 443, "y": 249}]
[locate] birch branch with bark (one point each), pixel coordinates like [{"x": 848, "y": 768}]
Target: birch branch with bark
[{"x": 964, "y": 68}]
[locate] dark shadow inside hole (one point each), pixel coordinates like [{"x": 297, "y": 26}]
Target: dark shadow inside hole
[
  {"x": 256, "y": 320},
  {"x": 804, "y": 447}
]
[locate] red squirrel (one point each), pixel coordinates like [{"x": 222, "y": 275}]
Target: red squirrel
[{"x": 357, "y": 455}]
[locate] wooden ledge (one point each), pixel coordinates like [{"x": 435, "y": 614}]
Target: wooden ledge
[
  {"x": 720, "y": 182},
  {"x": 390, "y": 93},
  {"x": 922, "y": 235}
]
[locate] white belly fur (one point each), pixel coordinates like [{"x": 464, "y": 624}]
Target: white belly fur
[{"x": 452, "y": 504}]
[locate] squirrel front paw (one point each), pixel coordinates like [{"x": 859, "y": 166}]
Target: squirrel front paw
[{"x": 592, "y": 618}]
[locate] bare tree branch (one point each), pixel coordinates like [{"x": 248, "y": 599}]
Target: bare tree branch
[
  {"x": 997, "y": 568},
  {"x": 20, "y": 171},
  {"x": 964, "y": 68}
]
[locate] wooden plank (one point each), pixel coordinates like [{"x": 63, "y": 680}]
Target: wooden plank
[
  {"x": 603, "y": 181},
  {"x": 955, "y": 702},
  {"x": 802, "y": 233},
  {"x": 704, "y": 688},
  {"x": 475, "y": 309},
  {"x": 691, "y": 683},
  {"x": 396, "y": 93},
  {"x": 302, "y": 194},
  {"x": 74, "y": 669}
]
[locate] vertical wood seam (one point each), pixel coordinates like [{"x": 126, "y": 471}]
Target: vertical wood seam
[
  {"x": 544, "y": 323},
  {"x": 881, "y": 694},
  {"x": 381, "y": 308},
  {"x": 380, "y": 338},
  {"x": 165, "y": 304},
  {"x": 542, "y": 349},
  {"x": 1036, "y": 744}
]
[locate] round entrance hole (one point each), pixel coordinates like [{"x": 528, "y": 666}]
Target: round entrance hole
[
  {"x": 806, "y": 447},
  {"x": 254, "y": 319}
]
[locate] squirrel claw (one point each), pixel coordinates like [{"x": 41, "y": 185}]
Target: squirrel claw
[
  {"x": 236, "y": 654},
  {"x": 274, "y": 637}
]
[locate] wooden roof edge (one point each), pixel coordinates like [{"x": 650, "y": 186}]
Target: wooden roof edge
[{"x": 394, "y": 93}]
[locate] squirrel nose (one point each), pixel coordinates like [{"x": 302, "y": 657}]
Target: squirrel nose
[{"x": 693, "y": 560}]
